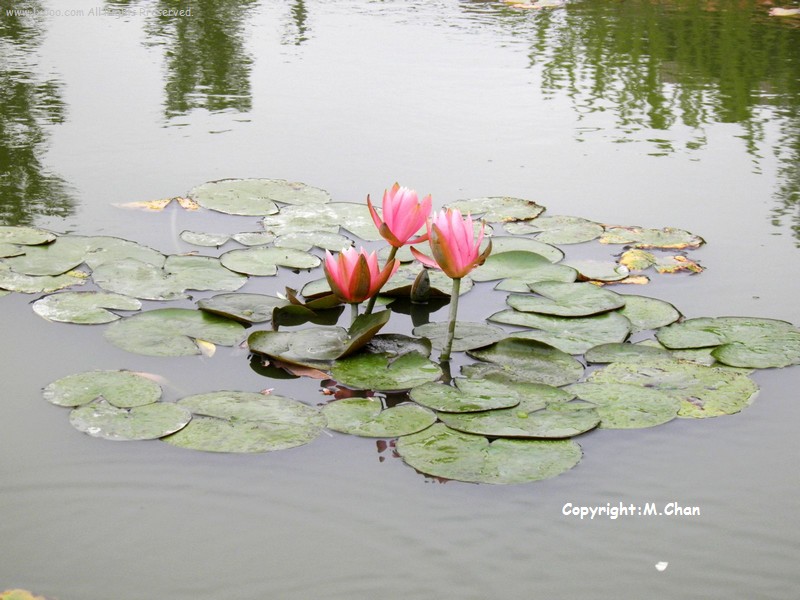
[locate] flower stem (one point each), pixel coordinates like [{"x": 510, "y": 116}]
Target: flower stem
[
  {"x": 451, "y": 326},
  {"x": 353, "y": 312},
  {"x": 371, "y": 303}
]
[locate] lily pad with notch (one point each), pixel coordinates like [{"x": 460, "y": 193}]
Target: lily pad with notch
[
  {"x": 499, "y": 208},
  {"x": 467, "y": 335},
  {"x": 566, "y": 299},
  {"x": 366, "y": 417},
  {"x": 123, "y": 389},
  {"x": 642, "y": 237},
  {"x": 471, "y": 395},
  {"x": 384, "y": 372},
  {"x": 244, "y": 308},
  {"x": 521, "y": 360},
  {"x": 147, "y": 422},
  {"x": 35, "y": 284},
  {"x": 84, "y": 307},
  {"x": 648, "y": 313},
  {"x": 265, "y": 261},
  {"x": 625, "y": 406},
  {"x": 522, "y": 264},
  {"x": 558, "y": 229}
]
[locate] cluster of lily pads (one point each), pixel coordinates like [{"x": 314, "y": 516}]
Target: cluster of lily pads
[{"x": 522, "y": 395}]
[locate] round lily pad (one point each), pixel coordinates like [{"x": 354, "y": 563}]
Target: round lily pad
[
  {"x": 498, "y": 208},
  {"x": 526, "y": 360},
  {"x": 597, "y": 270},
  {"x": 467, "y": 335},
  {"x": 208, "y": 240},
  {"x": 265, "y": 261},
  {"x": 558, "y": 229},
  {"x": 33, "y": 284},
  {"x": 253, "y": 238},
  {"x": 508, "y": 243},
  {"x": 235, "y": 197},
  {"x": 55, "y": 258},
  {"x": 521, "y": 264},
  {"x": 83, "y": 307},
  {"x": 566, "y": 299},
  {"x": 470, "y": 395},
  {"x": 382, "y": 372},
  {"x": 367, "y": 417},
  {"x": 641, "y": 237},
  {"x": 106, "y": 249},
  {"x": 305, "y": 240},
  {"x": 648, "y": 313},
  {"x": 232, "y": 421},
  {"x": 619, "y": 352},
  {"x": 625, "y": 406},
  {"x": 441, "y": 285},
  {"x": 245, "y": 308},
  {"x": 122, "y": 389},
  {"x": 356, "y": 218},
  {"x": 172, "y": 332},
  {"x": 442, "y": 452},
  {"x": 147, "y": 422},
  {"x": 26, "y": 236},
  {"x": 292, "y": 219}
]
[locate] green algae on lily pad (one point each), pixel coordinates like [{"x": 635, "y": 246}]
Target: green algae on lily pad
[
  {"x": 703, "y": 391},
  {"x": 468, "y": 396},
  {"x": 207, "y": 240},
  {"x": 558, "y": 229},
  {"x": 648, "y": 313},
  {"x": 384, "y": 372},
  {"x": 306, "y": 240},
  {"x": 498, "y": 208},
  {"x": 467, "y": 335},
  {"x": 566, "y": 299},
  {"x": 265, "y": 261},
  {"x": 34, "y": 284},
  {"x": 147, "y": 422},
  {"x": 366, "y": 417},
  {"x": 25, "y": 236},
  {"x": 84, "y": 307},
  {"x": 522, "y": 264},
  {"x": 747, "y": 342},
  {"x": 245, "y": 308},
  {"x": 642, "y": 237},
  {"x": 625, "y": 406},
  {"x": 233, "y": 421},
  {"x": 443, "y": 452},
  {"x": 515, "y": 359},
  {"x": 172, "y": 332},
  {"x": 122, "y": 389}
]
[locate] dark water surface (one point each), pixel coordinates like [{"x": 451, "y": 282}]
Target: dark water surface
[{"x": 682, "y": 114}]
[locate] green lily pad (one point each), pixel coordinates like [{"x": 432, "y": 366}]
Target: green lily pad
[
  {"x": 509, "y": 243},
  {"x": 648, "y": 313},
  {"x": 7, "y": 250},
  {"x": 566, "y": 299},
  {"x": 743, "y": 341},
  {"x": 55, "y": 258},
  {"x": 703, "y": 391},
  {"x": 230, "y": 421},
  {"x": 207, "y": 240},
  {"x": 265, "y": 261},
  {"x": 470, "y": 395},
  {"x": 32, "y": 284},
  {"x": 366, "y": 417},
  {"x": 619, "y": 352},
  {"x": 147, "y": 422},
  {"x": 441, "y": 285},
  {"x": 596, "y": 270},
  {"x": 498, "y": 208},
  {"x": 558, "y": 229},
  {"x": 467, "y": 335},
  {"x": 122, "y": 389},
  {"x": 525, "y": 361},
  {"x": 4, "y": 293},
  {"x": 253, "y": 238},
  {"x": 356, "y": 218},
  {"x": 250, "y": 197},
  {"x": 442, "y": 452},
  {"x": 106, "y": 249},
  {"x": 641, "y": 237},
  {"x": 625, "y": 406},
  {"x": 306, "y": 240},
  {"x": 383, "y": 372},
  {"x": 294, "y": 219},
  {"x": 521, "y": 264},
  {"x": 83, "y": 307},
  {"x": 134, "y": 278},
  {"x": 573, "y": 335},
  {"x": 172, "y": 332},
  {"x": 25, "y": 236},
  {"x": 245, "y": 308}
]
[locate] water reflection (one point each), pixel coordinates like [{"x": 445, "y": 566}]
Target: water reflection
[
  {"x": 662, "y": 69},
  {"x": 28, "y": 104}
]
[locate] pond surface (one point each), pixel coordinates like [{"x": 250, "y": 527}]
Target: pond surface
[{"x": 682, "y": 114}]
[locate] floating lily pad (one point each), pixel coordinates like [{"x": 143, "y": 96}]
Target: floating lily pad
[
  {"x": 703, "y": 391},
  {"x": 558, "y": 229},
  {"x": 382, "y": 372},
  {"x": 265, "y": 261},
  {"x": 639, "y": 260},
  {"x": 648, "y": 313},
  {"x": 618, "y": 352},
  {"x": 366, "y": 417},
  {"x": 122, "y": 389},
  {"x": 248, "y": 197},
  {"x": 4, "y": 293},
  {"x": 508, "y": 243},
  {"x": 56, "y": 258},
  {"x": 521, "y": 264},
  {"x": 641, "y": 237},
  {"x": 134, "y": 278},
  {"x": 442, "y": 452},
  {"x": 293, "y": 219},
  {"x": 253, "y": 238},
  {"x": 467, "y": 335},
  {"x": 83, "y": 307},
  {"x": 208, "y": 240},
  {"x": 396, "y": 344},
  {"x": 356, "y": 218},
  {"x": 7, "y": 250},
  {"x": 572, "y": 335},
  {"x": 499, "y": 208},
  {"x": 625, "y": 406},
  {"x": 147, "y": 422},
  {"x": 32, "y": 284},
  {"x": 305, "y": 240},
  {"x": 471, "y": 395},
  {"x": 245, "y": 308},
  {"x": 567, "y": 299},
  {"x": 106, "y": 249},
  {"x": 526, "y": 360},
  {"x": 441, "y": 285},
  {"x": 230, "y": 421},
  {"x": 26, "y": 236},
  {"x": 596, "y": 270},
  {"x": 172, "y": 332}
]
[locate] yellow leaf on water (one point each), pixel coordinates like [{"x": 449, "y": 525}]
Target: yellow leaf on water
[
  {"x": 19, "y": 595},
  {"x": 206, "y": 348},
  {"x": 187, "y": 203}
]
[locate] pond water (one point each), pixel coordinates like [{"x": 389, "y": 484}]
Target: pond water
[{"x": 682, "y": 114}]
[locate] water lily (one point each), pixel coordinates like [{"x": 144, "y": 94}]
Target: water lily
[
  {"x": 355, "y": 276},
  {"x": 403, "y": 216},
  {"x": 456, "y": 252}
]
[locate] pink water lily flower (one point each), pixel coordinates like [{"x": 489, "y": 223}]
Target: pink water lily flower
[
  {"x": 403, "y": 216},
  {"x": 355, "y": 276},
  {"x": 452, "y": 241}
]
